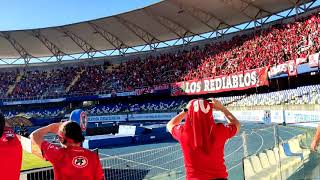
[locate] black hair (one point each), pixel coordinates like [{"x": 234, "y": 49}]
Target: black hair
[
  {"x": 73, "y": 131},
  {"x": 2, "y": 123}
]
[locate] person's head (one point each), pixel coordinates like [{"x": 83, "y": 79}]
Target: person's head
[
  {"x": 2, "y": 123},
  {"x": 200, "y": 123},
  {"x": 70, "y": 134}
]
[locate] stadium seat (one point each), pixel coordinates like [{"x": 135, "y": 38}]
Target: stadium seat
[
  {"x": 295, "y": 148},
  {"x": 288, "y": 165},
  {"x": 250, "y": 174},
  {"x": 271, "y": 157},
  {"x": 260, "y": 172}
]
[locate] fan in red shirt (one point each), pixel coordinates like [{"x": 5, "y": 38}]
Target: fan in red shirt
[
  {"x": 10, "y": 152},
  {"x": 202, "y": 140},
  {"x": 71, "y": 161}
]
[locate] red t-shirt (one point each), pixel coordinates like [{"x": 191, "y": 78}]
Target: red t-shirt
[
  {"x": 72, "y": 163},
  {"x": 10, "y": 156},
  {"x": 202, "y": 166}
]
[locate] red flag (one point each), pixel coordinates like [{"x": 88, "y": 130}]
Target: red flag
[{"x": 263, "y": 76}]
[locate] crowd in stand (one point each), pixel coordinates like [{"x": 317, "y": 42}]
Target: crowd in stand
[
  {"x": 39, "y": 113},
  {"x": 6, "y": 79},
  {"x": 301, "y": 95},
  {"x": 264, "y": 47},
  {"x": 44, "y": 83}
]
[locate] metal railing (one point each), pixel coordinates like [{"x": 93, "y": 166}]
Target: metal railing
[{"x": 255, "y": 140}]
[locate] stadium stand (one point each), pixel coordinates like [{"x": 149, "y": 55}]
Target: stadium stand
[
  {"x": 145, "y": 106},
  {"x": 48, "y": 112},
  {"x": 45, "y": 83},
  {"x": 300, "y": 95},
  {"x": 6, "y": 79},
  {"x": 265, "y": 47}
]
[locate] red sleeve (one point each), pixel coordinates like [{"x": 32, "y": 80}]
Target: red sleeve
[
  {"x": 176, "y": 132},
  {"x": 230, "y": 130},
  {"x": 98, "y": 170},
  {"x": 50, "y": 151}
]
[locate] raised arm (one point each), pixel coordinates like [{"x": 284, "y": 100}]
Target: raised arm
[
  {"x": 175, "y": 121},
  {"x": 230, "y": 117},
  {"x": 37, "y": 136},
  {"x": 178, "y": 118}
]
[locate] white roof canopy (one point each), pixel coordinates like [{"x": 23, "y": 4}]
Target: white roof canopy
[{"x": 160, "y": 22}]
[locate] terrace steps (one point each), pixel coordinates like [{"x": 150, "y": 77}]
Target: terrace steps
[{"x": 75, "y": 80}]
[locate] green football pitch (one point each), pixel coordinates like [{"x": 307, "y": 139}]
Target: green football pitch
[{"x": 31, "y": 161}]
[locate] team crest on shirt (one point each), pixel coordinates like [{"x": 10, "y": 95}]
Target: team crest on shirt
[{"x": 80, "y": 162}]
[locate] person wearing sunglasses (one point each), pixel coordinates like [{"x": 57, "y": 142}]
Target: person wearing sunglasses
[
  {"x": 10, "y": 151},
  {"x": 70, "y": 161},
  {"x": 202, "y": 140}
]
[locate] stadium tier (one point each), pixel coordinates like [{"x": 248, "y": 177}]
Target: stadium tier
[
  {"x": 298, "y": 96},
  {"x": 265, "y": 47},
  {"x": 39, "y": 113},
  {"x": 301, "y": 95}
]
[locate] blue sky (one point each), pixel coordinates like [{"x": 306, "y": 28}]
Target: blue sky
[{"x": 27, "y": 14}]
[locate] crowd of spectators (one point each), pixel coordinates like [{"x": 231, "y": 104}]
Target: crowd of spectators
[
  {"x": 263, "y": 47},
  {"x": 38, "y": 113},
  {"x": 44, "y": 83},
  {"x": 266, "y": 47},
  {"x": 301, "y": 95},
  {"x": 6, "y": 79}
]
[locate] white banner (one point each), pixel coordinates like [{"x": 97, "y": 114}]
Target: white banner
[
  {"x": 152, "y": 116},
  {"x": 301, "y": 61},
  {"x": 302, "y": 116},
  {"x": 277, "y": 116},
  {"x": 127, "y": 130},
  {"x": 107, "y": 118},
  {"x": 252, "y": 116},
  {"x": 278, "y": 70}
]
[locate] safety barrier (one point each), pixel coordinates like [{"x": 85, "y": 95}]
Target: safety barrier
[
  {"x": 256, "y": 153},
  {"x": 280, "y": 162}
]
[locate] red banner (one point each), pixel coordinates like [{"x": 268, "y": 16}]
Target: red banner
[
  {"x": 292, "y": 68},
  {"x": 314, "y": 60},
  {"x": 239, "y": 81}
]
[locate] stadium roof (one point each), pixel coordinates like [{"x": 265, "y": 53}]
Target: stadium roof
[{"x": 146, "y": 27}]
